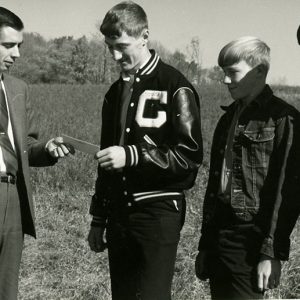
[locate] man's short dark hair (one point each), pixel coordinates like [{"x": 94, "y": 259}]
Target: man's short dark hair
[
  {"x": 298, "y": 35},
  {"x": 126, "y": 17},
  {"x": 8, "y": 18}
]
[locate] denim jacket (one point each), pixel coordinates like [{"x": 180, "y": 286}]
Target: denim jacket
[{"x": 265, "y": 182}]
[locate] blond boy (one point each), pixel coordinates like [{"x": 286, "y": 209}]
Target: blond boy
[{"x": 248, "y": 207}]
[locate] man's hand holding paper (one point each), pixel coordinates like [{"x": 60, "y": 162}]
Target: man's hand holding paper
[{"x": 80, "y": 145}]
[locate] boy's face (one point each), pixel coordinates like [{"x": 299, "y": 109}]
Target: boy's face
[
  {"x": 128, "y": 51},
  {"x": 241, "y": 80}
]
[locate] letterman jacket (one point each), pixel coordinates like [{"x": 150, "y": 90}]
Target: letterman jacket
[{"x": 163, "y": 141}]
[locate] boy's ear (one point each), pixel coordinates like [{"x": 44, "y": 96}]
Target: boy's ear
[
  {"x": 145, "y": 35},
  {"x": 261, "y": 70}
]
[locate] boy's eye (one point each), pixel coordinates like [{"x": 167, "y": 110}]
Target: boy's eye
[
  {"x": 232, "y": 72},
  {"x": 117, "y": 47},
  {"x": 122, "y": 47}
]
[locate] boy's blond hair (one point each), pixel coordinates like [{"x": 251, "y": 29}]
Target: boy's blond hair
[{"x": 250, "y": 49}]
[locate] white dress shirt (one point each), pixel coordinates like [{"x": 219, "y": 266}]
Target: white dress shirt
[{"x": 9, "y": 132}]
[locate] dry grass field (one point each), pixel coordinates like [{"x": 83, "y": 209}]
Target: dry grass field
[{"x": 59, "y": 265}]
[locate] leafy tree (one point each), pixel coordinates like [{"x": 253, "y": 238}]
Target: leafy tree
[
  {"x": 79, "y": 61},
  {"x": 216, "y": 74}
]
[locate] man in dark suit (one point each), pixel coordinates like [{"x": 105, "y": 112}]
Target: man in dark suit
[{"x": 19, "y": 149}]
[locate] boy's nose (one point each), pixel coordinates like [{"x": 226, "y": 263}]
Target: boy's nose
[
  {"x": 117, "y": 55},
  {"x": 226, "y": 80}
]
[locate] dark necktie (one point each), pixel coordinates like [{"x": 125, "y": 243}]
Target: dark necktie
[{"x": 9, "y": 155}]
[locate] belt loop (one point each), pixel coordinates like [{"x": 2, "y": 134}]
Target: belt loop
[{"x": 8, "y": 178}]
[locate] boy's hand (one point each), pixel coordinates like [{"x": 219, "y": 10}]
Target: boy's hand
[
  {"x": 268, "y": 273},
  {"x": 96, "y": 239},
  {"x": 201, "y": 264},
  {"x": 111, "y": 158}
]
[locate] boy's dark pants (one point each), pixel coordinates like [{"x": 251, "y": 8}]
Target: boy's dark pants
[
  {"x": 233, "y": 264},
  {"x": 142, "y": 245}
]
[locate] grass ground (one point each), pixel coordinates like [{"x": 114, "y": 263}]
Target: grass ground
[{"x": 59, "y": 265}]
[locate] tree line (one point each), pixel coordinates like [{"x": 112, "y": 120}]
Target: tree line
[{"x": 68, "y": 60}]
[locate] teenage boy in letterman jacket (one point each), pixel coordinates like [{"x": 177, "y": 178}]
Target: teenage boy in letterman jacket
[{"x": 151, "y": 148}]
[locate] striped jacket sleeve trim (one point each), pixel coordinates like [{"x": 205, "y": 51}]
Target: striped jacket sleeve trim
[
  {"x": 132, "y": 156},
  {"x": 98, "y": 222},
  {"x": 156, "y": 194}
]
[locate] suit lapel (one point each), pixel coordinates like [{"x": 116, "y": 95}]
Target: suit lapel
[{"x": 11, "y": 93}]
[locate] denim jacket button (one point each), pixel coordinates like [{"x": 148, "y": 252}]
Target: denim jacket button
[
  {"x": 211, "y": 195},
  {"x": 216, "y": 173}
]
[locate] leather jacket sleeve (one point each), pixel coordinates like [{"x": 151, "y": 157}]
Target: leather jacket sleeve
[{"x": 182, "y": 153}]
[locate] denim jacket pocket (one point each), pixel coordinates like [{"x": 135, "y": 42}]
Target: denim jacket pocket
[
  {"x": 257, "y": 150},
  {"x": 258, "y": 146},
  {"x": 260, "y": 135}
]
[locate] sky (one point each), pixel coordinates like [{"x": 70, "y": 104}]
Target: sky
[{"x": 175, "y": 22}]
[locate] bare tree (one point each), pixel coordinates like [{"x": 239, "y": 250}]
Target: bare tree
[{"x": 195, "y": 57}]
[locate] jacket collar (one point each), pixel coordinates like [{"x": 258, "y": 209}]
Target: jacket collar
[
  {"x": 149, "y": 67},
  {"x": 146, "y": 69},
  {"x": 261, "y": 100}
]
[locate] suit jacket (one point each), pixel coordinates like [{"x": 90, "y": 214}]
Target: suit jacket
[{"x": 30, "y": 151}]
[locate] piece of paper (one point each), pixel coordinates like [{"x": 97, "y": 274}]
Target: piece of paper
[{"x": 81, "y": 145}]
